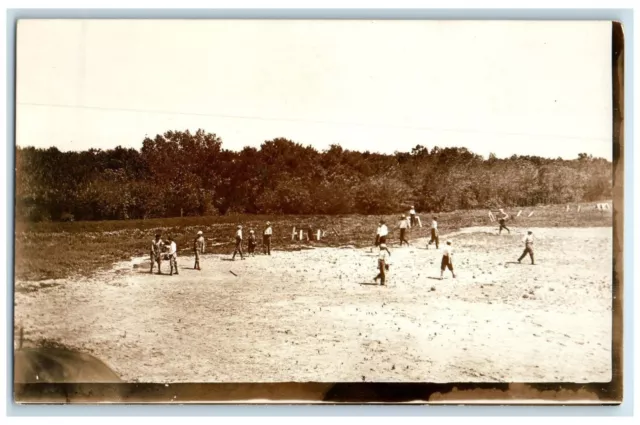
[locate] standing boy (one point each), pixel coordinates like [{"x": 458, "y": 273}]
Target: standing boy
[
  {"x": 383, "y": 264},
  {"x": 403, "y": 224},
  {"x": 252, "y": 243},
  {"x": 198, "y": 248},
  {"x": 447, "y": 261},
  {"x": 157, "y": 245},
  {"x": 266, "y": 239},
  {"x": 173, "y": 256},
  {"x": 435, "y": 237},
  {"x": 381, "y": 233},
  {"x": 528, "y": 247},
  {"x": 502, "y": 220},
  {"x": 238, "y": 248},
  {"x": 412, "y": 216}
]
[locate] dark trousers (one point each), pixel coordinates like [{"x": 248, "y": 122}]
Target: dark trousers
[
  {"x": 156, "y": 258},
  {"x": 266, "y": 244},
  {"x": 403, "y": 236},
  {"x": 197, "y": 263},
  {"x": 173, "y": 264},
  {"x": 503, "y": 226},
  {"x": 435, "y": 238},
  {"x": 381, "y": 274},
  {"x": 413, "y": 220},
  {"x": 527, "y": 250},
  {"x": 380, "y": 239},
  {"x": 252, "y": 247},
  {"x": 238, "y": 249},
  {"x": 446, "y": 263}
]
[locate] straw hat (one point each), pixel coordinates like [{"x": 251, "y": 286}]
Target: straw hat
[{"x": 199, "y": 232}]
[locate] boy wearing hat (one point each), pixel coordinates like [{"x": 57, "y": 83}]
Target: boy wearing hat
[
  {"x": 403, "y": 224},
  {"x": 157, "y": 245},
  {"x": 502, "y": 220},
  {"x": 434, "y": 233},
  {"x": 238, "y": 248},
  {"x": 198, "y": 248},
  {"x": 447, "y": 263},
  {"x": 383, "y": 263},
  {"x": 252, "y": 243},
  {"x": 266, "y": 239},
  {"x": 528, "y": 247},
  {"x": 173, "y": 256},
  {"x": 381, "y": 233}
]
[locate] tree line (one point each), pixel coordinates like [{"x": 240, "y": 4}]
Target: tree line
[{"x": 180, "y": 173}]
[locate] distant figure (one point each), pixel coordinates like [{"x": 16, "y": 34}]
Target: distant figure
[
  {"x": 412, "y": 216},
  {"x": 198, "y": 248},
  {"x": 252, "y": 243},
  {"x": 266, "y": 239},
  {"x": 447, "y": 260},
  {"x": 502, "y": 220},
  {"x": 528, "y": 247},
  {"x": 157, "y": 245},
  {"x": 403, "y": 224},
  {"x": 173, "y": 256},
  {"x": 435, "y": 237},
  {"x": 383, "y": 263},
  {"x": 238, "y": 249},
  {"x": 381, "y": 233}
]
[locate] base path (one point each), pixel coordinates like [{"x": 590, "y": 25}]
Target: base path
[{"x": 315, "y": 315}]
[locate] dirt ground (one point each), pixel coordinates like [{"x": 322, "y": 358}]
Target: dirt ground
[{"x": 315, "y": 315}]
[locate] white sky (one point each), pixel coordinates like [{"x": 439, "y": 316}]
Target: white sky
[{"x": 530, "y": 88}]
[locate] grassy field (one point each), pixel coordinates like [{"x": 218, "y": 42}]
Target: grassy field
[{"x": 64, "y": 250}]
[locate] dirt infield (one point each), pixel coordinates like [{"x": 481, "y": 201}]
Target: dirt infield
[{"x": 315, "y": 315}]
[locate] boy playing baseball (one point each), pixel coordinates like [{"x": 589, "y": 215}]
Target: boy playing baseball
[
  {"x": 173, "y": 256},
  {"x": 238, "y": 248},
  {"x": 447, "y": 263},
  {"x": 383, "y": 263},
  {"x": 198, "y": 248},
  {"x": 528, "y": 247}
]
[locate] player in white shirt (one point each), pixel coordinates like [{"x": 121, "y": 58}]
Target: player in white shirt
[
  {"x": 447, "y": 260},
  {"x": 383, "y": 263},
  {"x": 173, "y": 256},
  {"x": 435, "y": 236},
  {"x": 412, "y": 216},
  {"x": 381, "y": 233},
  {"x": 528, "y": 247},
  {"x": 266, "y": 239},
  {"x": 403, "y": 224},
  {"x": 238, "y": 249}
]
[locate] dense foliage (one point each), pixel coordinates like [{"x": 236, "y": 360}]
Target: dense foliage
[{"x": 186, "y": 174}]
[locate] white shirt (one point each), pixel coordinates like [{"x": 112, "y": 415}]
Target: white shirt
[
  {"x": 384, "y": 255},
  {"x": 447, "y": 251},
  {"x": 382, "y": 230},
  {"x": 434, "y": 225},
  {"x": 403, "y": 224},
  {"x": 412, "y": 211},
  {"x": 528, "y": 240},
  {"x": 173, "y": 248},
  {"x": 268, "y": 231},
  {"x": 239, "y": 233}
]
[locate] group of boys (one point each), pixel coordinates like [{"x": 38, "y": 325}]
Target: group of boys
[
  {"x": 447, "y": 252},
  {"x": 252, "y": 243},
  {"x": 158, "y": 248}
]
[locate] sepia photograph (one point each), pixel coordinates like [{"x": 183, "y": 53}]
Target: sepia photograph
[{"x": 316, "y": 201}]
